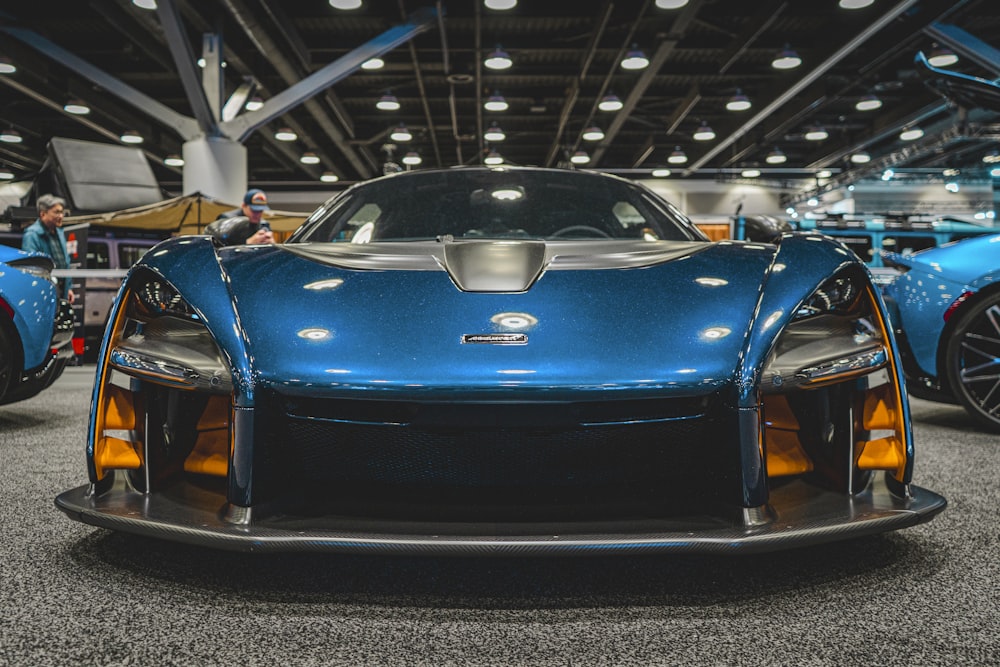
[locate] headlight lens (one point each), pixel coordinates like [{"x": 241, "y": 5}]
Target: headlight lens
[{"x": 831, "y": 399}]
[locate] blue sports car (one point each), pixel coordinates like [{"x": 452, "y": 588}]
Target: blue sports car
[
  {"x": 945, "y": 307},
  {"x": 500, "y": 361},
  {"x": 36, "y": 326}
]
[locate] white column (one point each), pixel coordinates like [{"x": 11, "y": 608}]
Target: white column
[{"x": 216, "y": 167}]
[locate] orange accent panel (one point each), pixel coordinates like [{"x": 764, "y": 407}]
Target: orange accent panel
[
  {"x": 778, "y": 414},
  {"x": 785, "y": 455},
  {"x": 883, "y": 454},
  {"x": 210, "y": 455},
  {"x": 881, "y": 410},
  {"x": 112, "y": 453},
  {"x": 119, "y": 411}
]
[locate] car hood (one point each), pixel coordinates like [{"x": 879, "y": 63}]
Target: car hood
[{"x": 394, "y": 318}]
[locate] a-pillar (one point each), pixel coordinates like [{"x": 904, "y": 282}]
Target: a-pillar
[{"x": 216, "y": 167}]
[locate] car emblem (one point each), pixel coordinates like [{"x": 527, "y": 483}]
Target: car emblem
[{"x": 496, "y": 338}]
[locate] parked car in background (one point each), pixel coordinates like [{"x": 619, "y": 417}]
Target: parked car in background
[
  {"x": 945, "y": 309},
  {"x": 869, "y": 236},
  {"x": 36, "y": 326},
  {"x": 500, "y": 361}
]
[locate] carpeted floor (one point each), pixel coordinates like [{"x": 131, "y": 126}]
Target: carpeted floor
[{"x": 71, "y": 594}]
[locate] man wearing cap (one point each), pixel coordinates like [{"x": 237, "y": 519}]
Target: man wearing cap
[{"x": 244, "y": 224}]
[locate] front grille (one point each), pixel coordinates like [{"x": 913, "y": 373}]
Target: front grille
[{"x": 521, "y": 456}]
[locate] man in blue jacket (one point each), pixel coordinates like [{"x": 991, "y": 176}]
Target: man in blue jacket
[{"x": 46, "y": 236}]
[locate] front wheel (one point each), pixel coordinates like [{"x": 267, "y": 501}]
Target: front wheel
[{"x": 973, "y": 362}]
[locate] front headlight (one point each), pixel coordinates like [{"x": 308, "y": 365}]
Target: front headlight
[
  {"x": 164, "y": 401},
  {"x": 832, "y": 402}
]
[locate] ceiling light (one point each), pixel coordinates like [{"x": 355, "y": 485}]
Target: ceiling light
[
  {"x": 309, "y": 158},
  {"x": 824, "y": 173},
  {"x": 610, "y": 102},
  {"x": 671, "y": 4},
  {"x": 329, "y": 177},
  {"x": 145, "y": 4},
  {"x": 750, "y": 173},
  {"x": 677, "y": 156},
  {"x": 942, "y": 57},
  {"x": 661, "y": 172},
  {"x": 995, "y": 172},
  {"x": 950, "y": 172},
  {"x": 345, "y": 4},
  {"x": 401, "y": 134},
  {"x": 593, "y": 133},
  {"x": 285, "y": 134},
  {"x": 373, "y": 63},
  {"x": 911, "y": 133},
  {"x": 776, "y": 157},
  {"x": 855, "y": 4},
  {"x": 253, "y": 104},
  {"x": 786, "y": 59},
  {"x": 992, "y": 157},
  {"x": 11, "y": 137},
  {"x": 816, "y": 133},
  {"x": 77, "y": 107},
  {"x": 6, "y": 174},
  {"x": 703, "y": 133},
  {"x": 493, "y": 158},
  {"x": 173, "y": 160},
  {"x": 579, "y": 157},
  {"x": 951, "y": 186},
  {"x": 7, "y": 66},
  {"x": 387, "y": 102},
  {"x": 494, "y": 133},
  {"x": 869, "y": 102},
  {"x": 498, "y": 59},
  {"x": 496, "y": 102},
  {"x": 412, "y": 158},
  {"x": 738, "y": 102},
  {"x": 500, "y": 5},
  {"x": 888, "y": 174},
  {"x": 131, "y": 137},
  {"x": 861, "y": 157},
  {"x": 635, "y": 59}
]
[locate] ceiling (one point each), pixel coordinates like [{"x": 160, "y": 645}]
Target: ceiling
[{"x": 565, "y": 56}]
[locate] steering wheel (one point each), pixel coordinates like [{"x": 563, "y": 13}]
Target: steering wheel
[{"x": 572, "y": 229}]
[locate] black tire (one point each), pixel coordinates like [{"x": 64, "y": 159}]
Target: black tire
[
  {"x": 8, "y": 361},
  {"x": 973, "y": 362}
]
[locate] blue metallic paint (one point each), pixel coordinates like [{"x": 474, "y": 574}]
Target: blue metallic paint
[
  {"x": 935, "y": 279},
  {"x": 34, "y": 301}
]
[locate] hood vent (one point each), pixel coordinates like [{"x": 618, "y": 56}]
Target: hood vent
[{"x": 494, "y": 266}]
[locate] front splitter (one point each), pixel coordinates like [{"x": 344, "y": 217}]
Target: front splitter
[{"x": 801, "y": 515}]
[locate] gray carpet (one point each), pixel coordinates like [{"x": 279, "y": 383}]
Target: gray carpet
[{"x": 71, "y": 594}]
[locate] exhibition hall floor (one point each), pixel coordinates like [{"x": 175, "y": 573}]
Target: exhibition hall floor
[{"x": 73, "y": 594}]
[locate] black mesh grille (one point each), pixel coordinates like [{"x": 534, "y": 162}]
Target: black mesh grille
[{"x": 477, "y": 461}]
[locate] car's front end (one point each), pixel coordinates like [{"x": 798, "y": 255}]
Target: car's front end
[{"x": 501, "y": 396}]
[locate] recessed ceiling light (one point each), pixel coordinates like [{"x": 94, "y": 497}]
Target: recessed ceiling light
[{"x": 610, "y": 102}]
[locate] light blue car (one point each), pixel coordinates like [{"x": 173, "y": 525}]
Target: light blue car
[
  {"x": 36, "y": 326},
  {"x": 945, "y": 309}
]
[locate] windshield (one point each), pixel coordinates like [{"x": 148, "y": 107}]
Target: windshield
[{"x": 496, "y": 204}]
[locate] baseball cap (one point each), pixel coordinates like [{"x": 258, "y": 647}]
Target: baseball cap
[{"x": 256, "y": 200}]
